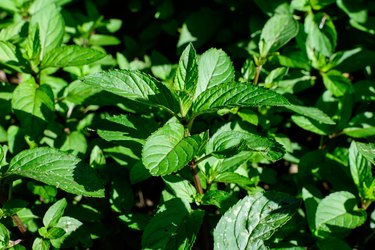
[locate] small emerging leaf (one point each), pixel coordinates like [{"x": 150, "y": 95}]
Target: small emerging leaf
[{"x": 54, "y": 213}]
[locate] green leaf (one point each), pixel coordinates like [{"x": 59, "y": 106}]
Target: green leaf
[
  {"x": 360, "y": 169},
  {"x": 33, "y": 105},
  {"x": 243, "y": 181},
  {"x": 174, "y": 226},
  {"x": 180, "y": 187},
  {"x": 227, "y": 141},
  {"x": 41, "y": 244},
  {"x": 56, "y": 168},
  {"x": 310, "y": 196},
  {"x": 8, "y": 52},
  {"x": 4, "y": 236},
  {"x": 55, "y": 233},
  {"x": 51, "y": 27},
  {"x": 321, "y": 33},
  {"x": 103, "y": 40},
  {"x": 71, "y": 55},
  {"x": 359, "y": 132},
  {"x": 187, "y": 71},
  {"x": 71, "y": 227},
  {"x": 253, "y": 220},
  {"x": 310, "y": 125},
  {"x": 231, "y": 95},
  {"x": 367, "y": 150},
  {"x": 277, "y": 31},
  {"x": 136, "y": 86},
  {"x": 168, "y": 150},
  {"x": 312, "y": 113},
  {"x": 319, "y": 4},
  {"x": 338, "y": 213},
  {"x": 54, "y": 213},
  {"x": 337, "y": 83},
  {"x": 214, "y": 68}
]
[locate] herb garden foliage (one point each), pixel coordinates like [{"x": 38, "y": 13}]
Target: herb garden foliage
[{"x": 267, "y": 143}]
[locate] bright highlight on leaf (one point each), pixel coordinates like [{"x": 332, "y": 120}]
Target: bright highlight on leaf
[
  {"x": 253, "y": 220},
  {"x": 168, "y": 150}
]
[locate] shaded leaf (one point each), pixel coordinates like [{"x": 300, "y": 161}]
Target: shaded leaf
[{"x": 338, "y": 213}]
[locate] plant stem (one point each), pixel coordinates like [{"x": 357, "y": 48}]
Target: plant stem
[
  {"x": 197, "y": 181},
  {"x": 19, "y": 223},
  {"x": 257, "y": 73}
]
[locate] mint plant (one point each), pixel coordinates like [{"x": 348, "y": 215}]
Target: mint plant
[{"x": 255, "y": 132}]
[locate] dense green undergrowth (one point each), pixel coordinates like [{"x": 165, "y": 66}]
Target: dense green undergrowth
[{"x": 201, "y": 125}]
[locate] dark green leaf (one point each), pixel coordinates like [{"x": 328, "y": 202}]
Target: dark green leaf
[
  {"x": 136, "y": 86},
  {"x": 57, "y": 168},
  {"x": 175, "y": 225}
]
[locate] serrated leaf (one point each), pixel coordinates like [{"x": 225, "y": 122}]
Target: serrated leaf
[
  {"x": 57, "y": 168},
  {"x": 277, "y": 31},
  {"x": 337, "y": 213},
  {"x": 174, "y": 225},
  {"x": 367, "y": 150},
  {"x": 54, "y": 213},
  {"x": 231, "y": 95},
  {"x": 71, "y": 55},
  {"x": 168, "y": 150},
  {"x": 253, "y": 220},
  {"x": 214, "y": 68},
  {"x": 227, "y": 142},
  {"x": 187, "y": 70},
  {"x": 136, "y": 86},
  {"x": 360, "y": 168},
  {"x": 321, "y": 33},
  {"x": 51, "y": 27}
]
